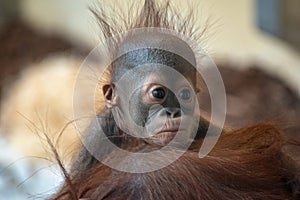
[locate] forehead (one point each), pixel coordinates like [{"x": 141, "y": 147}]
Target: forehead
[
  {"x": 155, "y": 48},
  {"x": 150, "y": 59},
  {"x": 167, "y": 78},
  {"x": 153, "y": 74}
]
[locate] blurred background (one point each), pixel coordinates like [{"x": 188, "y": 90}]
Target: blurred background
[{"x": 255, "y": 43}]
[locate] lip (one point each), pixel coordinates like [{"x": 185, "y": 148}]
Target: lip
[
  {"x": 167, "y": 134},
  {"x": 170, "y": 130}
]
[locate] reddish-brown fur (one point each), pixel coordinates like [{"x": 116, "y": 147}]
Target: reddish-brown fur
[{"x": 245, "y": 164}]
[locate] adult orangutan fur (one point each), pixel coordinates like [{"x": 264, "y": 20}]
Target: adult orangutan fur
[{"x": 245, "y": 164}]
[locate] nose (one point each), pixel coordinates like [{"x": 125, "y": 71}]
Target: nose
[{"x": 173, "y": 112}]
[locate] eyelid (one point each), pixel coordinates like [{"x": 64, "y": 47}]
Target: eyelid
[{"x": 148, "y": 93}]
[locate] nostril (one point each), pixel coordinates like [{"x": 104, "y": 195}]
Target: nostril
[
  {"x": 173, "y": 112},
  {"x": 177, "y": 113}
]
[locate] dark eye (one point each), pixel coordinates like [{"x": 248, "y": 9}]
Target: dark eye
[
  {"x": 185, "y": 94},
  {"x": 159, "y": 93}
]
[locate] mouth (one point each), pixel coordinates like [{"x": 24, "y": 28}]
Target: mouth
[{"x": 166, "y": 135}]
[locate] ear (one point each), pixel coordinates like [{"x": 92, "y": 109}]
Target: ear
[{"x": 109, "y": 95}]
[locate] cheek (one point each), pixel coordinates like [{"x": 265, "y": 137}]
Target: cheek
[{"x": 138, "y": 110}]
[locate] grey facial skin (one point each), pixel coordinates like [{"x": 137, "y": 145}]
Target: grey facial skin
[
  {"x": 159, "y": 111},
  {"x": 152, "y": 105}
]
